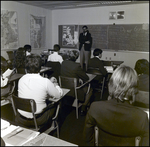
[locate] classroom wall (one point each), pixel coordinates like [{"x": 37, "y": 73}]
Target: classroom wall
[
  {"x": 23, "y": 13},
  {"x": 134, "y": 14}
]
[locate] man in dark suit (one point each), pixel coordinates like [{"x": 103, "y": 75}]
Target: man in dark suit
[
  {"x": 119, "y": 122},
  {"x": 85, "y": 45},
  {"x": 70, "y": 68},
  {"x": 96, "y": 62}
]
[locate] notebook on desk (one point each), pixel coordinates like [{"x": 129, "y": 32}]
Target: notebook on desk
[
  {"x": 47, "y": 140},
  {"x": 19, "y": 136}
]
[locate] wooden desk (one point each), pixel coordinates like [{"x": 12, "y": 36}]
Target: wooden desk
[
  {"x": 44, "y": 69},
  {"x": 48, "y": 140},
  {"x": 65, "y": 91},
  {"x": 12, "y": 79},
  {"x": 91, "y": 77},
  {"x": 15, "y": 77}
]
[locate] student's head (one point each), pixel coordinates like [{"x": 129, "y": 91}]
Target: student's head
[
  {"x": 4, "y": 64},
  {"x": 73, "y": 55},
  {"x": 123, "y": 84},
  {"x": 33, "y": 63},
  {"x": 56, "y": 47},
  {"x": 85, "y": 29},
  {"x": 20, "y": 56},
  {"x": 97, "y": 52},
  {"x": 142, "y": 66},
  {"x": 27, "y": 48}
]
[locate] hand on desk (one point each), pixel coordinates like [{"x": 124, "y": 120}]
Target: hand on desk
[{"x": 53, "y": 80}]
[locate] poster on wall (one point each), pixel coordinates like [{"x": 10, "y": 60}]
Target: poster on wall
[
  {"x": 9, "y": 30},
  {"x": 37, "y": 31},
  {"x": 68, "y": 36}
]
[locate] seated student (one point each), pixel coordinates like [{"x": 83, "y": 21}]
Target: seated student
[
  {"x": 95, "y": 62},
  {"x": 117, "y": 118},
  {"x": 27, "y": 49},
  {"x": 55, "y": 57},
  {"x": 33, "y": 86},
  {"x": 19, "y": 61},
  {"x": 70, "y": 68},
  {"x": 142, "y": 69},
  {"x": 5, "y": 85}
]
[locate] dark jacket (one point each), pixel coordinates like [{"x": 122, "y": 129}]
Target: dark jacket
[
  {"x": 97, "y": 63},
  {"x": 73, "y": 69},
  {"x": 82, "y": 39},
  {"x": 144, "y": 82},
  {"x": 116, "y": 121}
]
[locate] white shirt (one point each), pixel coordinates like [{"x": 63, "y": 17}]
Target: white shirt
[
  {"x": 55, "y": 57},
  {"x": 4, "y": 81},
  {"x": 34, "y": 86}
]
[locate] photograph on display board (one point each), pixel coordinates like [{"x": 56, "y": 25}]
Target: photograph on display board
[{"x": 68, "y": 36}]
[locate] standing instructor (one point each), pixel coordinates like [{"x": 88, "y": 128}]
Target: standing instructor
[{"x": 85, "y": 41}]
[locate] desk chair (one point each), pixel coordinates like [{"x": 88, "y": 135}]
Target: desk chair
[
  {"x": 125, "y": 141},
  {"x": 96, "y": 71},
  {"x": 71, "y": 83},
  {"x": 29, "y": 105},
  {"x": 55, "y": 68}
]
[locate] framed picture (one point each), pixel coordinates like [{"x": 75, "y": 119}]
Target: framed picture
[
  {"x": 120, "y": 15},
  {"x": 112, "y": 15},
  {"x": 68, "y": 36}
]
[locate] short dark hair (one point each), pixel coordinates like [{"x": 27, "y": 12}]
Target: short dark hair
[
  {"x": 27, "y": 47},
  {"x": 85, "y": 27},
  {"x": 33, "y": 63},
  {"x": 142, "y": 66},
  {"x": 56, "y": 47},
  {"x": 4, "y": 64},
  {"x": 97, "y": 52}
]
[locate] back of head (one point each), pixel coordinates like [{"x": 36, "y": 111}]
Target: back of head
[
  {"x": 33, "y": 63},
  {"x": 142, "y": 66},
  {"x": 123, "y": 84},
  {"x": 97, "y": 52},
  {"x": 27, "y": 47},
  {"x": 56, "y": 47},
  {"x": 73, "y": 55},
  {"x": 4, "y": 64},
  {"x": 20, "y": 57}
]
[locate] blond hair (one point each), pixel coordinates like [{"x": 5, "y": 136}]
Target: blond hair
[{"x": 123, "y": 83}]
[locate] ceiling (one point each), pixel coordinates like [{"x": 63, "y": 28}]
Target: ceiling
[{"x": 53, "y": 5}]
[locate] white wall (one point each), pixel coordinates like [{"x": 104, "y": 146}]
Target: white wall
[
  {"x": 23, "y": 14},
  {"x": 134, "y": 14}
]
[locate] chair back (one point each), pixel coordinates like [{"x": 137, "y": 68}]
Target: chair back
[
  {"x": 103, "y": 138},
  {"x": 95, "y": 71},
  {"x": 67, "y": 82},
  {"x": 71, "y": 83},
  {"x": 28, "y": 105}
]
